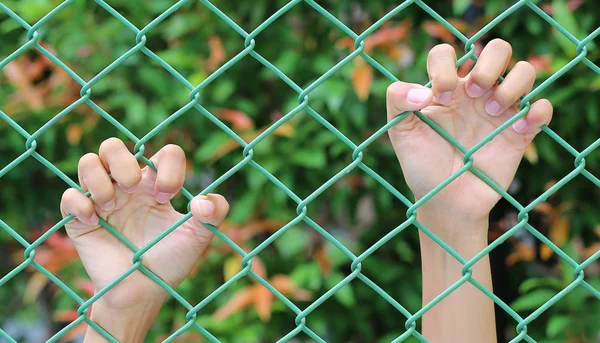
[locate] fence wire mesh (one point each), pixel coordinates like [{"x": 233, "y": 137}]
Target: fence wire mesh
[{"x": 246, "y": 161}]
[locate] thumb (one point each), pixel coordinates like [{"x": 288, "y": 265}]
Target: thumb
[
  {"x": 211, "y": 209},
  {"x": 402, "y": 97}
]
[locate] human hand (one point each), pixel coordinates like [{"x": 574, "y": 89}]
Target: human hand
[
  {"x": 468, "y": 109},
  {"x": 136, "y": 202}
]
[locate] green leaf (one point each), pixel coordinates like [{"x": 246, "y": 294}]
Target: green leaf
[
  {"x": 404, "y": 250},
  {"x": 307, "y": 276},
  {"x": 244, "y": 207},
  {"x": 557, "y": 325},
  {"x": 344, "y": 295},
  {"x": 460, "y": 6},
  {"x": 536, "y": 282},
  {"x": 293, "y": 242},
  {"x": 564, "y": 16},
  {"x": 208, "y": 146},
  {"x": 313, "y": 158},
  {"x": 531, "y": 301}
]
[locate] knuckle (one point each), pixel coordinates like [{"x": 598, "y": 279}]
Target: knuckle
[
  {"x": 505, "y": 97},
  {"x": 220, "y": 201},
  {"x": 526, "y": 69},
  {"x": 88, "y": 159},
  {"x": 391, "y": 90},
  {"x": 69, "y": 196},
  {"x": 484, "y": 78},
  {"x": 501, "y": 44},
  {"x": 174, "y": 151},
  {"x": 130, "y": 179},
  {"x": 445, "y": 81},
  {"x": 111, "y": 145},
  {"x": 442, "y": 49}
]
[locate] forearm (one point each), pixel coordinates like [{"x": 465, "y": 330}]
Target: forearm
[
  {"x": 126, "y": 325},
  {"x": 465, "y": 315}
]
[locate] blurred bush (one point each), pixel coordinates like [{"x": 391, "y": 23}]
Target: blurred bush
[{"x": 302, "y": 153}]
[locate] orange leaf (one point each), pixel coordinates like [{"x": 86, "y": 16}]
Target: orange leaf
[
  {"x": 86, "y": 286},
  {"x": 263, "y": 300},
  {"x": 217, "y": 53},
  {"x": 531, "y": 153},
  {"x": 542, "y": 64},
  {"x": 241, "y": 300},
  {"x": 524, "y": 252},
  {"x": 286, "y": 129},
  {"x": 232, "y": 266},
  {"x": 34, "y": 287},
  {"x": 286, "y": 285},
  {"x": 545, "y": 252},
  {"x": 559, "y": 230},
  {"x": 544, "y": 208},
  {"x": 321, "y": 256},
  {"x": 74, "y": 132},
  {"x": 239, "y": 120},
  {"x": 389, "y": 35},
  {"x": 439, "y": 31},
  {"x": 362, "y": 79},
  {"x": 65, "y": 315}
]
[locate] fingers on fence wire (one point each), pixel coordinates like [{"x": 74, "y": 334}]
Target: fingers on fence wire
[
  {"x": 517, "y": 83},
  {"x": 441, "y": 67},
  {"x": 492, "y": 63},
  {"x": 539, "y": 114},
  {"x": 93, "y": 177},
  {"x": 211, "y": 209},
  {"x": 75, "y": 203},
  {"x": 402, "y": 97},
  {"x": 121, "y": 164},
  {"x": 170, "y": 172}
]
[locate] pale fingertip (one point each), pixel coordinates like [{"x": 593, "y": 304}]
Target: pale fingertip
[
  {"x": 444, "y": 98},
  {"x": 474, "y": 91},
  {"x": 131, "y": 189},
  {"x": 205, "y": 207},
  {"x": 418, "y": 95},
  {"x": 493, "y": 108},
  {"x": 163, "y": 197},
  {"x": 520, "y": 125},
  {"x": 93, "y": 220},
  {"x": 109, "y": 205}
]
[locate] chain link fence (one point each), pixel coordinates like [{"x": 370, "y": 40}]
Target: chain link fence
[{"x": 246, "y": 161}]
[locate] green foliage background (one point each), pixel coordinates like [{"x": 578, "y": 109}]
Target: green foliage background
[{"x": 356, "y": 210}]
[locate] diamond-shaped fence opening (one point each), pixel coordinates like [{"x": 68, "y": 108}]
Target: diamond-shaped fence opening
[{"x": 247, "y": 147}]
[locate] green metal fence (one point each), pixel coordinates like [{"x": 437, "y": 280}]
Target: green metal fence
[{"x": 248, "y": 162}]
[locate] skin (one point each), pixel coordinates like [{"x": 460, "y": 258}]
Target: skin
[
  {"x": 468, "y": 109},
  {"x": 137, "y": 201}
]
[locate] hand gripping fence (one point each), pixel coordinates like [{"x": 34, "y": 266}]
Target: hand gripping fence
[{"x": 247, "y": 160}]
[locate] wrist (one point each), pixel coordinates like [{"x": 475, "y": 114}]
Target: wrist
[
  {"x": 466, "y": 235},
  {"x": 127, "y": 325}
]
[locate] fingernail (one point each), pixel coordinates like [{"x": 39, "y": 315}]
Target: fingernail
[
  {"x": 163, "y": 197},
  {"x": 109, "y": 205},
  {"x": 474, "y": 90},
  {"x": 418, "y": 95},
  {"x": 205, "y": 207},
  {"x": 520, "y": 125},
  {"x": 444, "y": 98},
  {"x": 492, "y": 108},
  {"x": 93, "y": 219},
  {"x": 132, "y": 189}
]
